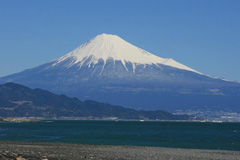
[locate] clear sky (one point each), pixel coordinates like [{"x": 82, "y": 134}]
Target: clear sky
[{"x": 202, "y": 34}]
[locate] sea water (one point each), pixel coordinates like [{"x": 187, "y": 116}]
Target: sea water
[{"x": 222, "y": 136}]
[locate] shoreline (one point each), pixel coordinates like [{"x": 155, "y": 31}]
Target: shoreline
[
  {"x": 63, "y": 151},
  {"x": 40, "y": 119}
]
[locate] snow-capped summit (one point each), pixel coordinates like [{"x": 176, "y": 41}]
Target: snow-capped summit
[{"x": 106, "y": 46}]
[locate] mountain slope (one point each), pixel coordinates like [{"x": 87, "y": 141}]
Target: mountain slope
[
  {"x": 109, "y": 69},
  {"x": 20, "y": 101}
]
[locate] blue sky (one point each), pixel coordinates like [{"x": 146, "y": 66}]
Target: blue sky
[{"x": 202, "y": 34}]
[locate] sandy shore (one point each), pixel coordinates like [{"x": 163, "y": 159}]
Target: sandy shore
[{"x": 61, "y": 151}]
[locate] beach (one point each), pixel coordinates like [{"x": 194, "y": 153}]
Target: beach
[{"x": 10, "y": 150}]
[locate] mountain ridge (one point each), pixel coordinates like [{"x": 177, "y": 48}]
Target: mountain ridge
[{"x": 20, "y": 101}]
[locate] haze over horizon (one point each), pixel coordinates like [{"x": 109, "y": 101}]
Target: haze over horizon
[{"x": 203, "y": 35}]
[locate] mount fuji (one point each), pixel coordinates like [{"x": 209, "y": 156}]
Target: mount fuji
[{"x": 109, "y": 69}]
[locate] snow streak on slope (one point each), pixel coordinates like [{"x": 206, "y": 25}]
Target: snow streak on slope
[{"x": 105, "y": 47}]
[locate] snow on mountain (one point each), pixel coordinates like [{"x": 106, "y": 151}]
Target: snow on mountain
[{"x": 106, "y": 46}]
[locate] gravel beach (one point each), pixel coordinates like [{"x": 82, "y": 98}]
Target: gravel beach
[{"x": 63, "y": 151}]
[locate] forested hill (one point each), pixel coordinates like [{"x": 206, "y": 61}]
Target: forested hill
[{"x": 20, "y": 101}]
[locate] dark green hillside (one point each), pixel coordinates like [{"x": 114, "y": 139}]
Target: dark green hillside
[{"x": 20, "y": 101}]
